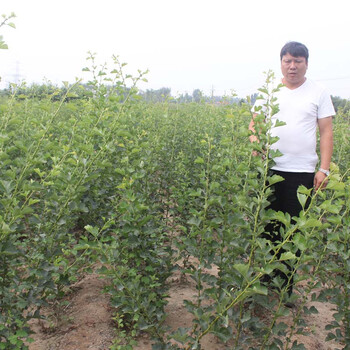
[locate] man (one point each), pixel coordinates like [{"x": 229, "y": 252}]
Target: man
[{"x": 303, "y": 106}]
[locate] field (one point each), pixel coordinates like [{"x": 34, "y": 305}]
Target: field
[{"x": 161, "y": 206}]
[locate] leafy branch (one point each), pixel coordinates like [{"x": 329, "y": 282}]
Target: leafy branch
[{"x": 5, "y": 21}]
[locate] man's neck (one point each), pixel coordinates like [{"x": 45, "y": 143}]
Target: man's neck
[{"x": 293, "y": 86}]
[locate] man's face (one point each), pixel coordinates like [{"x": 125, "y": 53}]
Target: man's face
[{"x": 293, "y": 70}]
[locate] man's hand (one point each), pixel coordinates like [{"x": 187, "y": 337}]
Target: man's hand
[{"x": 320, "y": 179}]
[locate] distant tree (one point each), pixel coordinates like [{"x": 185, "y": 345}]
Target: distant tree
[
  {"x": 184, "y": 98},
  {"x": 164, "y": 93},
  {"x": 253, "y": 98},
  {"x": 197, "y": 95},
  {"x": 340, "y": 103},
  {"x": 159, "y": 95}
]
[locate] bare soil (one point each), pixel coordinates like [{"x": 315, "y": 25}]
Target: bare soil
[{"x": 84, "y": 320}]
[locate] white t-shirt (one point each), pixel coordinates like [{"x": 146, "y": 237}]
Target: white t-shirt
[{"x": 300, "y": 109}]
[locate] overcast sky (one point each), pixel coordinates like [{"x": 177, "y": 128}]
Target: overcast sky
[{"x": 185, "y": 44}]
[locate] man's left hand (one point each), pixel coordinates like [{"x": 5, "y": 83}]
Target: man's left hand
[{"x": 320, "y": 180}]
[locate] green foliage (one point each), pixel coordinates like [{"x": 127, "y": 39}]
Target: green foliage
[
  {"x": 341, "y": 105},
  {"x": 149, "y": 190},
  {"x": 5, "y": 21}
]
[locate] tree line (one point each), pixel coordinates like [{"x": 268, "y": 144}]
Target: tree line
[{"x": 83, "y": 91}]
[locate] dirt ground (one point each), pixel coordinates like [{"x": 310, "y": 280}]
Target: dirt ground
[{"x": 85, "y": 320}]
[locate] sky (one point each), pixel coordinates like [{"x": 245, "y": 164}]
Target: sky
[{"x": 217, "y": 46}]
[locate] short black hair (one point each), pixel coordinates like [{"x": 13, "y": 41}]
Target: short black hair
[{"x": 295, "y": 49}]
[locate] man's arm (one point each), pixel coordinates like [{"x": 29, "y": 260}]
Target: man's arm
[{"x": 326, "y": 149}]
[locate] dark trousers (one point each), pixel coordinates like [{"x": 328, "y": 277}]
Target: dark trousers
[
  {"x": 285, "y": 199},
  {"x": 285, "y": 192}
]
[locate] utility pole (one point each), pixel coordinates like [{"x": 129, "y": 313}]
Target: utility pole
[{"x": 212, "y": 93}]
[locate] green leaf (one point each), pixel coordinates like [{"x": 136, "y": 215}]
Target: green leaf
[
  {"x": 287, "y": 256},
  {"x": 264, "y": 91},
  {"x": 336, "y": 186},
  {"x": 279, "y": 328},
  {"x": 199, "y": 160},
  {"x": 7, "y": 185},
  {"x": 21, "y": 333},
  {"x": 93, "y": 230},
  {"x": 284, "y": 218},
  {"x": 282, "y": 311},
  {"x": 312, "y": 222},
  {"x": 304, "y": 190},
  {"x": 275, "y": 179},
  {"x": 300, "y": 241},
  {"x": 242, "y": 269},
  {"x": 330, "y": 336},
  {"x": 296, "y": 346},
  {"x": 313, "y": 310},
  {"x": 259, "y": 289},
  {"x": 10, "y": 249},
  {"x": 279, "y": 123},
  {"x": 2, "y": 44},
  {"x": 302, "y": 198},
  {"x": 195, "y": 221},
  {"x": 5, "y": 228},
  {"x": 332, "y": 208}
]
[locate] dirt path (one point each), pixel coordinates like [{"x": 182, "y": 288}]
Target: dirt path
[{"x": 86, "y": 321}]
